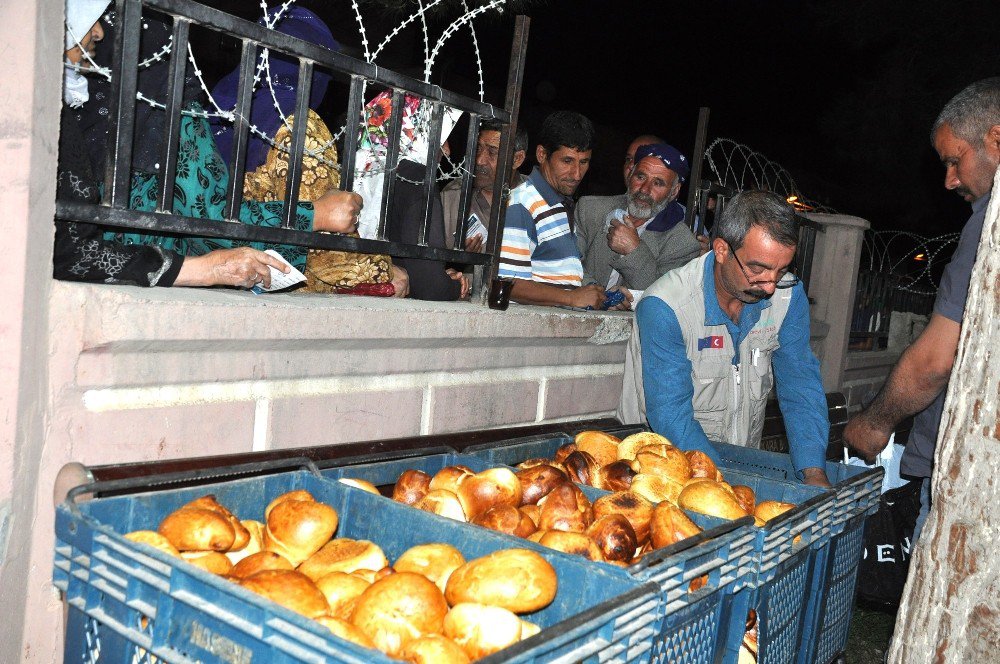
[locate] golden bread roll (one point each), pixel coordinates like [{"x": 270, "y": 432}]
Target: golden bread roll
[
  {"x": 577, "y": 544},
  {"x": 631, "y": 444},
  {"x": 768, "y": 509},
  {"x": 210, "y": 561},
  {"x": 411, "y": 486},
  {"x": 670, "y": 525},
  {"x": 536, "y": 536},
  {"x": 581, "y": 468},
  {"x": 398, "y": 609},
  {"x": 366, "y": 574},
  {"x": 518, "y": 580},
  {"x": 602, "y": 446},
  {"x": 616, "y": 476},
  {"x": 256, "y": 542},
  {"x": 564, "y": 451},
  {"x": 384, "y": 572},
  {"x": 480, "y": 629},
  {"x": 537, "y": 481},
  {"x": 443, "y": 503},
  {"x": 345, "y": 630},
  {"x": 565, "y": 508},
  {"x": 343, "y": 555},
  {"x": 298, "y": 494},
  {"x": 450, "y": 478},
  {"x": 506, "y": 519},
  {"x": 364, "y": 485},
  {"x": 292, "y": 590},
  {"x": 434, "y": 649},
  {"x": 341, "y": 591},
  {"x": 710, "y": 498},
  {"x": 298, "y": 528},
  {"x": 258, "y": 562},
  {"x": 535, "y": 461},
  {"x": 745, "y": 497},
  {"x": 529, "y": 629},
  {"x": 614, "y": 536},
  {"x": 671, "y": 463},
  {"x": 632, "y": 506},
  {"x": 198, "y": 529},
  {"x": 435, "y": 561},
  {"x": 656, "y": 488},
  {"x": 486, "y": 489},
  {"x": 153, "y": 539},
  {"x": 209, "y": 502},
  {"x": 533, "y": 512},
  {"x": 702, "y": 465}
]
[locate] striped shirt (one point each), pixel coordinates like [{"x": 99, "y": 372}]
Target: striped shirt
[{"x": 538, "y": 244}]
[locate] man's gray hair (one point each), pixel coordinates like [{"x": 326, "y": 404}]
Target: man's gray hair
[
  {"x": 757, "y": 208},
  {"x": 972, "y": 112}
]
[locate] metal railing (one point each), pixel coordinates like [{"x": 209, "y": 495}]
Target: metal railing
[
  {"x": 114, "y": 210},
  {"x": 877, "y": 296}
]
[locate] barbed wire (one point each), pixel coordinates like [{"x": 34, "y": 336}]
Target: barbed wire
[{"x": 910, "y": 256}]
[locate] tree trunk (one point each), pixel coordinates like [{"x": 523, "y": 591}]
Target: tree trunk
[{"x": 951, "y": 605}]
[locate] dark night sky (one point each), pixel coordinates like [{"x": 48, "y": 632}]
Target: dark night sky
[{"x": 840, "y": 93}]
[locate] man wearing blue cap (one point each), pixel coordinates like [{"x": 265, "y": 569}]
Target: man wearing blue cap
[{"x": 629, "y": 241}]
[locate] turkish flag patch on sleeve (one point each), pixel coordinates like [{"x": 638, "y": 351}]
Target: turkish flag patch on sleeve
[{"x": 710, "y": 342}]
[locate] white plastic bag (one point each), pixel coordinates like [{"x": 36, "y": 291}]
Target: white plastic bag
[{"x": 888, "y": 458}]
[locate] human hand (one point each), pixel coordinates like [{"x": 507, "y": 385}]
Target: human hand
[
  {"x": 474, "y": 244},
  {"x": 815, "y": 477},
  {"x": 705, "y": 242},
  {"x": 865, "y": 437},
  {"x": 587, "y": 296},
  {"x": 242, "y": 267},
  {"x": 626, "y": 304},
  {"x": 400, "y": 281},
  {"x": 460, "y": 277},
  {"x": 622, "y": 237},
  {"x": 337, "y": 211}
]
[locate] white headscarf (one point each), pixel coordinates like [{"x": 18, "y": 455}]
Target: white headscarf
[{"x": 81, "y": 15}]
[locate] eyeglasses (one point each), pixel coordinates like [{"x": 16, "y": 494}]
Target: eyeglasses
[{"x": 786, "y": 278}]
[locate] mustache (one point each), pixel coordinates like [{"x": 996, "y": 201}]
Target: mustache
[
  {"x": 756, "y": 292},
  {"x": 963, "y": 192},
  {"x": 642, "y": 199}
]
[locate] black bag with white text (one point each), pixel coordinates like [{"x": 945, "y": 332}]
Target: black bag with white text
[{"x": 885, "y": 561}]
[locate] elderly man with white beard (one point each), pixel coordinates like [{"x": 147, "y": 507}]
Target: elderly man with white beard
[{"x": 628, "y": 241}]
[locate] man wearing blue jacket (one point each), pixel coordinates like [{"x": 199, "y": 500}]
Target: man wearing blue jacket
[{"x": 710, "y": 339}]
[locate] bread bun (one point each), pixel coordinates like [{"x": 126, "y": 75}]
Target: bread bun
[
  {"x": 298, "y": 494},
  {"x": 398, "y": 609},
  {"x": 614, "y": 536},
  {"x": 345, "y": 630},
  {"x": 671, "y": 463},
  {"x": 603, "y": 447},
  {"x": 577, "y": 544},
  {"x": 670, "y": 525},
  {"x": 632, "y": 506},
  {"x": 533, "y": 512},
  {"x": 435, "y": 561},
  {"x": 768, "y": 509},
  {"x": 366, "y": 574},
  {"x": 197, "y": 529},
  {"x": 256, "y": 542},
  {"x": 258, "y": 562},
  {"x": 341, "y": 591},
  {"x": 537, "y": 481},
  {"x": 443, "y": 503},
  {"x": 450, "y": 478},
  {"x": 564, "y": 451},
  {"x": 534, "y": 461},
  {"x": 506, "y": 519},
  {"x": 240, "y": 534},
  {"x": 298, "y": 528},
  {"x": 343, "y": 555},
  {"x": 565, "y": 508},
  {"x": 745, "y": 497},
  {"x": 292, "y": 590},
  {"x": 712, "y": 499},
  {"x": 630, "y": 445},
  {"x": 518, "y": 580},
  {"x": 656, "y": 488},
  {"x": 486, "y": 489},
  {"x": 581, "y": 467},
  {"x": 364, "y": 485},
  {"x": 702, "y": 465},
  {"x": 411, "y": 486},
  {"x": 434, "y": 649},
  {"x": 482, "y": 630},
  {"x": 153, "y": 539},
  {"x": 210, "y": 561},
  {"x": 616, "y": 476}
]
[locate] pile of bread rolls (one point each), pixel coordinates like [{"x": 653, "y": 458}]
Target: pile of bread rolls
[{"x": 431, "y": 605}]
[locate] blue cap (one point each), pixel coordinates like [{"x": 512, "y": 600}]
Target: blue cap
[{"x": 668, "y": 154}]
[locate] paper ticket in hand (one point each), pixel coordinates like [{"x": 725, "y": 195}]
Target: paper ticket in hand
[
  {"x": 475, "y": 227},
  {"x": 280, "y": 280}
]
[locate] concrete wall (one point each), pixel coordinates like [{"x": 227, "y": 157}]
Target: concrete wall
[{"x": 866, "y": 371}]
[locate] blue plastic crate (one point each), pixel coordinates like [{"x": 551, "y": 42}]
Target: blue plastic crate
[
  {"x": 128, "y": 601},
  {"x": 696, "y": 626}
]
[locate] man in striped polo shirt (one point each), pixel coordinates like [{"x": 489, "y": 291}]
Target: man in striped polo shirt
[{"x": 539, "y": 247}]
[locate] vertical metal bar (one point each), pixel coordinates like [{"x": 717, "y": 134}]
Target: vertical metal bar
[
  {"x": 391, "y": 159},
  {"x": 471, "y": 147},
  {"x": 121, "y": 122},
  {"x": 241, "y": 129},
  {"x": 174, "y": 105},
  {"x": 355, "y": 101},
  {"x": 297, "y": 155},
  {"x": 430, "y": 170},
  {"x": 701, "y": 134},
  {"x": 501, "y": 192}
]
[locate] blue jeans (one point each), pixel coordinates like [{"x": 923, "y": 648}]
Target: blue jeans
[{"x": 925, "y": 507}]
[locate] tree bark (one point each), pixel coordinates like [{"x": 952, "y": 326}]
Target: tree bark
[{"x": 951, "y": 605}]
